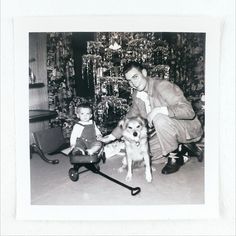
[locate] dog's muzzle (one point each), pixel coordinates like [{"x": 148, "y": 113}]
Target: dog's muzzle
[{"x": 135, "y": 134}]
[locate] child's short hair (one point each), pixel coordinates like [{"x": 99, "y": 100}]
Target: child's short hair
[{"x": 83, "y": 105}]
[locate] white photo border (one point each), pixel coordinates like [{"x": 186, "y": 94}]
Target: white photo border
[{"x": 211, "y": 26}]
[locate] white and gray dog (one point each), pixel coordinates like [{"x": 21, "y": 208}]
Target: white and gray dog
[{"x": 135, "y": 138}]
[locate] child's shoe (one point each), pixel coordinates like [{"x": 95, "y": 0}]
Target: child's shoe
[{"x": 78, "y": 151}]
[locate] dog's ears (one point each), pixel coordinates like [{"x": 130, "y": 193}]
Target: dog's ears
[
  {"x": 122, "y": 123},
  {"x": 141, "y": 121}
]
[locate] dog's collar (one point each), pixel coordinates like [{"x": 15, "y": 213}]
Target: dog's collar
[{"x": 130, "y": 140}]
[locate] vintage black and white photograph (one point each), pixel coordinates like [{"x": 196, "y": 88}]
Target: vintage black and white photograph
[{"x": 117, "y": 118}]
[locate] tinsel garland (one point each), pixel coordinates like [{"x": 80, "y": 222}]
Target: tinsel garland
[{"x": 60, "y": 70}]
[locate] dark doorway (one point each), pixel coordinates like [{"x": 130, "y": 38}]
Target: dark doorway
[{"x": 79, "y": 46}]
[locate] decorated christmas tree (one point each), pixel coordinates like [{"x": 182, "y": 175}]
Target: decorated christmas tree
[
  {"x": 60, "y": 70},
  {"x": 103, "y": 69}
]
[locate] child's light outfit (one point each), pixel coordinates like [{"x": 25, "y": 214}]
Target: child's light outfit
[{"x": 84, "y": 136}]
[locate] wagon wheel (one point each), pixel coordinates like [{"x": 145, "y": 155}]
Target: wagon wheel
[{"x": 73, "y": 174}]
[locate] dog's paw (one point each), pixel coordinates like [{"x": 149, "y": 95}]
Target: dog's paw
[
  {"x": 149, "y": 178},
  {"x": 153, "y": 168},
  {"x": 121, "y": 169},
  {"x": 128, "y": 178}
]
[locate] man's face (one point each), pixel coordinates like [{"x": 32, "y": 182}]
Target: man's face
[{"x": 137, "y": 79}]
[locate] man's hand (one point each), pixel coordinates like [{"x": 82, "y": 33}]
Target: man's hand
[
  {"x": 107, "y": 139},
  {"x": 154, "y": 112}
]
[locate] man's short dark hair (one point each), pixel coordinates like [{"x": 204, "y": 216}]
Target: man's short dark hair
[{"x": 132, "y": 64}]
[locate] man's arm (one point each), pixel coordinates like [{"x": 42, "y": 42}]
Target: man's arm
[{"x": 178, "y": 107}]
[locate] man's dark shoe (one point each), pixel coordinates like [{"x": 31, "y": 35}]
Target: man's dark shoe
[
  {"x": 194, "y": 150},
  {"x": 172, "y": 166}
]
